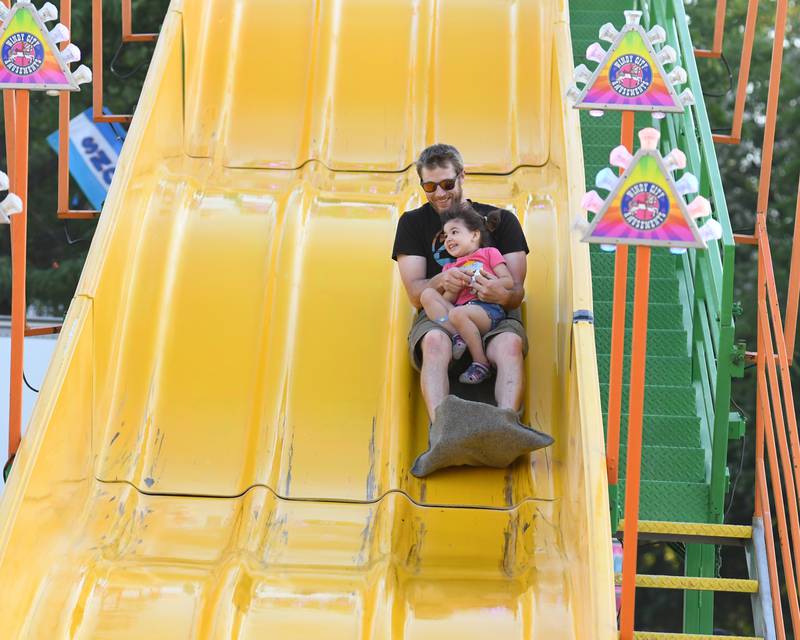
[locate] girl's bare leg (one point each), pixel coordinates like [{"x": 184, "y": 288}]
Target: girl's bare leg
[
  {"x": 472, "y": 322},
  {"x": 436, "y": 308}
]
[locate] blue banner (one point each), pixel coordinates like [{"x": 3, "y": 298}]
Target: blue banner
[{"x": 94, "y": 149}]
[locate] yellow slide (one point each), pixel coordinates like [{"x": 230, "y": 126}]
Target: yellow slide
[{"x": 222, "y": 444}]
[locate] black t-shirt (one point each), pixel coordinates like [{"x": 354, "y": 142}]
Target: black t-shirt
[{"x": 419, "y": 233}]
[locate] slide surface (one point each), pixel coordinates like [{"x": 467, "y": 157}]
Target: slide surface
[{"x": 221, "y": 447}]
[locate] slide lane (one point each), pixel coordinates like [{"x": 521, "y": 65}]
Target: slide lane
[{"x": 222, "y": 443}]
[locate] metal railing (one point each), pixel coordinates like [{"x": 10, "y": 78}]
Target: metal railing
[
  {"x": 708, "y": 274},
  {"x": 777, "y": 472}
]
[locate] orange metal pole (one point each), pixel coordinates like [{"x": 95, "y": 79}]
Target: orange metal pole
[
  {"x": 633, "y": 466},
  {"x": 97, "y": 67},
  {"x": 793, "y": 293},
  {"x": 63, "y": 124},
  {"x": 63, "y": 210},
  {"x": 772, "y": 107},
  {"x": 618, "y": 334},
  {"x": 765, "y": 255},
  {"x": 744, "y": 77},
  {"x": 19, "y": 232},
  {"x": 127, "y": 26},
  {"x": 741, "y": 238},
  {"x": 783, "y": 448},
  {"x": 783, "y": 530},
  {"x": 769, "y": 539},
  {"x": 719, "y": 32}
]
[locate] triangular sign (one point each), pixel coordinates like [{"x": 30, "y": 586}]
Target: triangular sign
[
  {"x": 645, "y": 208},
  {"x": 630, "y": 78},
  {"x": 29, "y": 59}
]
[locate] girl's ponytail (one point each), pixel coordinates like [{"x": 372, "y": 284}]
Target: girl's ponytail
[{"x": 493, "y": 220}]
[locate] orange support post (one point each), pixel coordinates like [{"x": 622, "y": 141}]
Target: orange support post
[
  {"x": 735, "y": 135},
  {"x": 18, "y": 170},
  {"x": 64, "y": 212},
  {"x": 97, "y": 68},
  {"x": 719, "y": 33},
  {"x": 793, "y": 293},
  {"x": 633, "y": 466},
  {"x": 772, "y": 561},
  {"x": 127, "y": 26},
  {"x": 618, "y": 334},
  {"x": 772, "y": 107}
]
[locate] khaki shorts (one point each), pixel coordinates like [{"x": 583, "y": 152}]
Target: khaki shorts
[{"x": 422, "y": 324}]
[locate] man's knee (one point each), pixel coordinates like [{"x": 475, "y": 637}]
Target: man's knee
[
  {"x": 436, "y": 346},
  {"x": 505, "y": 348}
]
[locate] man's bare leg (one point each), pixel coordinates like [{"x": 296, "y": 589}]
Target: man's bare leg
[
  {"x": 437, "y": 351},
  {"x": 505, "y": 353}
]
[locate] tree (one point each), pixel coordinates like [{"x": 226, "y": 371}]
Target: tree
[{"x": 57, "y": 249}]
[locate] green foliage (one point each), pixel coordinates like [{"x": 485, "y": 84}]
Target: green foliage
[{"x": 54, "y": 257}]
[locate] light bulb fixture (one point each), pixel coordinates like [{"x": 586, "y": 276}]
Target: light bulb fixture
[
  {"x": 580, "y": 224},
  {"x": 592, "y": 201},
  {"x": 687, "y": 184},
  {"x": 11, "y": 205},
  {"x": 686, "y": 98},
  {"x": 699, "y": 207},
  {"x": 82, "y": 74},
  {"x": 711, "y": 230},
  {"x": 606, "y": 179},
  {"x": 620, "y": 157},
  {"x": 667, "y": 55},
  {"x": 582, "y": 74},
  {"x": 608, "y": 32},
  {"x": 573, "y": 93},
  {"x": 48, "y": 12},
  {"x": 675, "y": 159},
  {"x": 649, "y": 137},
  {"x": 71, "y": 54},
  {"x": 678, "y": 76},
  {"x": 658, "y": 115},
  {"x": 657, "y": 35},
  {"x": 677, "y": 251},
  {"x": 595, "y": 52},
  {"x": 632, "y": 17},
  {"x": 59, "y": 33},
  {"x": 596, "y": 113},
  {"x": 608, "y": 248}
]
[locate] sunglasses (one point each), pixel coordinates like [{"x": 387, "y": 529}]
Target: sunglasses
[{"x": 448, "y": 184}]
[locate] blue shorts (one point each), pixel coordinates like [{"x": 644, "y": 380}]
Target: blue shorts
[{"x": 495, "y": 312}]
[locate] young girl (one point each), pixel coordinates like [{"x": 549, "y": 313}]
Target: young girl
[{"x": 465, "y": 317}]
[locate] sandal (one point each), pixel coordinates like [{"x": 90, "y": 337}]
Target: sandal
[
  {"x": 475, "y": 374},
  {"x": 459, "y": 347}
]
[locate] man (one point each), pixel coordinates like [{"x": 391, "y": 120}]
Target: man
[{"x": 420, "y": 255}]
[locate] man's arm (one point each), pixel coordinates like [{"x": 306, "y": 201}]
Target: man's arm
[
  {"x": 491, "y": 289},
  {"x": 413, "y": 270}
]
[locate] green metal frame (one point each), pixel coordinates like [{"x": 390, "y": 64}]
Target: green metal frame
[{"x": 709, "y": 287}]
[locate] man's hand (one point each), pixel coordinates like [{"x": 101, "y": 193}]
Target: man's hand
[
  {"x": 454, "y": 280},
  {"x": 490, "y": 289}
]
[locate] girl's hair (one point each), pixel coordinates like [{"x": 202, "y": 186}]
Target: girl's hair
[{"x": 474, "y": 221}]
